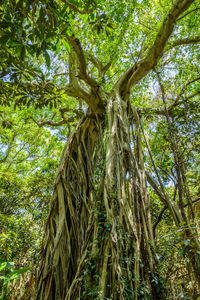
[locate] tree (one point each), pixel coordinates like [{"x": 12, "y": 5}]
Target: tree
[
  {"x": 99, "y": 241},
  {"x": 28, "y": 162}
]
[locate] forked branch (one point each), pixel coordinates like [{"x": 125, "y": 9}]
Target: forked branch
[{"x": 83, "y": 68}]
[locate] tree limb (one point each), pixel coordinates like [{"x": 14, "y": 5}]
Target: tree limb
[
  {"x": 185, "y": 86},
  {"x": 83, "y": 72},
  {"x": 162, "y": 112},
  {"x": 98, "y": 64},
  {"x": 151, "y": 111},
  {"x": 64, "y": 120},
  {"x": 80, "y": 72},
  {"x": 76, "y": 87},
  {"x": 133, "y": 75},
  {"x": 52, "y": 123},
  {"x": 182, "y": 92},
  {"x": 186, "y": 41},
  {"x": 189, "y": 12},
  {"x": 159, "y": 218},
  {"x": 181, "y": 102}
]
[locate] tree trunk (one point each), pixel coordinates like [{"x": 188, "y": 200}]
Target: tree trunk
[
  {"x": 132, "y": 271},
  {"x": 70, "y": 223},
  {"x": 98, "y": 239}
]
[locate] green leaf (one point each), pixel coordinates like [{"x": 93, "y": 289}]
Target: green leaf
[
  {"x": 56, "y": 12},
  {"x": 47, "y": 58},
  {"x": 84, "y": 17},
  {"x": 58, "y": 47},
  {"x": 20, "y": 271},
  {"x": 183, "y": 249},
  {"x": 10, "y": 265},
  {"x": 3, "y": 265},
  {"x": 14, "y": 43},
  {"x": 66, "y": 45},
  {"x": 23, "y": 53},
  {"x": 4, "y": 39},
  {"x": 186, "y": 242}
]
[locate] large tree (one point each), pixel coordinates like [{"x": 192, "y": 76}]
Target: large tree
[{"x": 99, "y": 240}]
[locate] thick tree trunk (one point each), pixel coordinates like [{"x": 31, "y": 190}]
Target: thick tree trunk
[{"x": 98, "y": 239}]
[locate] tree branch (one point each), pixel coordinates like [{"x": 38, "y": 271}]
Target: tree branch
[
  {"x": 162, "y": 112},
  {"x": 151, "y": 111},
  {"x": 52, "y": 123},
  {"x": 159, "y": 218},
  {"x": 156, "y": 50},
  {"x": 83, "y": 72},
  {"x": 98, "y": 64},
  {"x": 182, "y": 92},
  {"x": 64, "y": 120},
  {"x": 78, "y": 89},
  {"x": 189, "y": 12},
  {"x": 186, "y": 41},
  {"x": 185, "y": 86},
  {"x": 181, "y": 102},
  {"x": 94, "y": 96}
]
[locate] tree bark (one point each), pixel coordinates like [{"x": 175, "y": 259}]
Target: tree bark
[
  {"x": 134, "y": 272},
  {"x": 98, "y": 239},
  {"x": 70, "y": 222}
]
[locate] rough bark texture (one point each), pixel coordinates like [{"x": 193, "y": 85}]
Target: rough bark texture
[
  {"x": 131, "y": 273},
  {"x": 99, "y": 242},
  {"x": 69, "y": 225}
]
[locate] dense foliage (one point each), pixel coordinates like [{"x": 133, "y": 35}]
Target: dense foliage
[{"x": 61, "y": 63}]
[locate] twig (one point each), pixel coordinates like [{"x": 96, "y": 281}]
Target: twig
[{"x": 189, "y": 12}]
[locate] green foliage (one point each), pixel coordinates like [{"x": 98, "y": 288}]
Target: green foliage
[
  {"x": 34, "y": 79},
  {"x": 8, "y": 273},
  {"x": 28, "y": 163}
]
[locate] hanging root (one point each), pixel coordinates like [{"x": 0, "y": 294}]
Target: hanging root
[
  {"x": 127, "y": 207},
  {"x": 70, "y": 222}
]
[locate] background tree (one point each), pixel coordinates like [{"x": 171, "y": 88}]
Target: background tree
[{"x": 131, "y": 73}]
